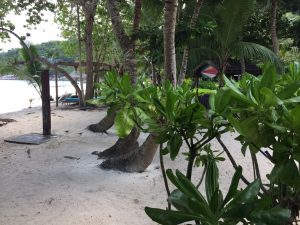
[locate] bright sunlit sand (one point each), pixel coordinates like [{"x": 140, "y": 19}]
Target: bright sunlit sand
[{"x": 40, "y": 186}]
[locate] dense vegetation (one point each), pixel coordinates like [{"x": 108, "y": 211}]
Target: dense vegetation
[
  {"x": 9, "y": 61},
  {"x": 155, "y": 46}
]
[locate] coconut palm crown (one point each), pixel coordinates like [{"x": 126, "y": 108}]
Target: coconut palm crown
[{"x": 227, "y": 21}]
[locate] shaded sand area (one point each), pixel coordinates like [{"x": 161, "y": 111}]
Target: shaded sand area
[{"x": 39, "y": 185}]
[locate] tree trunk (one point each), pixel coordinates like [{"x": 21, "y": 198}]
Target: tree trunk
[
  {"x": 124, "y": 41},
  {"x": 243, "y": 67},
  {"x": 125, "y": 155},
  {"x": 135, "y": 161},
  {"x": 89, "y": 9},
  {"x": 137, "y": 18},
  {"x": 170, "y": 12},
  {"x": 185, "y": 56},
  {"x": 106, "y": 123},
  {"x": 222, "y": 71},
  {"x": 80, "y": 53},
  {"x": 122, "y": 147},
  {"x": 273, "y": 30}
]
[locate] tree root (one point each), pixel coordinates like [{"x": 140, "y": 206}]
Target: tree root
[
  {"x": 135, "y": 161},
  {"x": 106, "y": 123},
  {"x": 115, "y": 151},
  {"x": 122, "y": 146}
]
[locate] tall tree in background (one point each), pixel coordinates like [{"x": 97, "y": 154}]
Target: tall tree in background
[
  {"x": 127, "y": 45},
  {"x": 89, "y": 10},
  {"x": 79, "y": 51},
  {"x": 137, "y": 159},
  {"x": 170, "y": 12},
  {"x": 273, "y": 27},
  {"x": 126, "y": 42},
  {"x": 123, "y": 148},
  {"x": 185, "y": 56},
  {"x": 125, "y": 154}
]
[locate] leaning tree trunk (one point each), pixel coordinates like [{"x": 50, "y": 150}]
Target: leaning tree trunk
[
  {"x": 273, "y": 28},
  {"x": 106, "y": 123},
  {"x": 127, "y": 47},
  {"x": 185, "y": 56},
  {"x": 125, "y": 155},
  {"x": 137, "y": 160},
  {"x": 170, "y": 12},
  {"x": 123, "y": 146},
  {"x": 125, "y": 42}
]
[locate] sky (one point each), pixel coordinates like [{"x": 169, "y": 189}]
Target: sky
[{"x": 46, "y": 31}]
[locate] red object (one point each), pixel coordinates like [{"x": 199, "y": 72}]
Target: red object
[{"x": 209, "y": 72}]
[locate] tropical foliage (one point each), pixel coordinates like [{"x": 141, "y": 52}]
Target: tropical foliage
[{"x": 264, "y": 112}]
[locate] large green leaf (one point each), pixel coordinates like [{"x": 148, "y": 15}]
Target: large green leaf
[
  {"x": 249, "y": 129},
  {"x": 170, "y": 104},
  {"x": 166, "y": 217},
  {"x": 126, "y": 84},
  {"x": 289, "y": 90},
  {"x": 211, "y": 179},
  {"x": 221, "y": 99},
  {"x": 292, "y": 100},
  {"x": 244, "y": 202},
  {"x": 270, "y": 99},
  {"x": 269, "y": 77},
  {"x": 287, "y": 173},
  {"x": 174, "y": 145},
  {"x": 234, "y": 185},
  {"x": 216, "y": 202},
  {"x": 123, "y": 122},
  {"x": 295, "y": 116},
  {"x": 185, "y": 186},
  {"x": 159, "y": 107},
  {"x": 236, "y": 93},
  {"x": 274, "y": 216},
  {"x": 248, "y": 194},
  {"x": 184, "y": 203}
]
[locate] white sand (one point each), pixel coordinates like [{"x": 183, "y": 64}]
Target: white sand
[{"x": 50, "y": 189}]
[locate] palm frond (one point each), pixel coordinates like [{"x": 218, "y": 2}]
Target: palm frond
[
  {"x": 231, "y": 16},
  {"x": 256, "y": 51},
  {"x": 32, "y": 67}
]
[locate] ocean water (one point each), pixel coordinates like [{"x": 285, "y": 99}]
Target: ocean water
[{"x": 15, "y": 94}]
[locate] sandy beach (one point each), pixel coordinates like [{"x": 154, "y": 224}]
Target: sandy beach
[{"x": 38, "y": 185}]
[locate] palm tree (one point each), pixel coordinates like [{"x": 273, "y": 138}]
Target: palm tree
[
  {"x": 273, "y": 27},
  {"x": 229, "y": 18},
  {"x": 170, "y": 12}
]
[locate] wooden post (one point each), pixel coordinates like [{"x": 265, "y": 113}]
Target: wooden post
[
  {"x": 56, "y": 89},
  {"x": 46, "y": 102}
]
